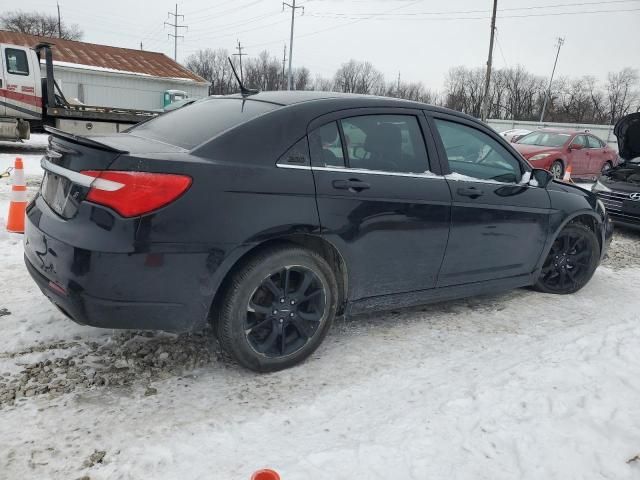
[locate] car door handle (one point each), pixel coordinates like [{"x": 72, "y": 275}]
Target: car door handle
[
  {"x": 472, "y": 192},
  {"x": 353, "y": 184}
]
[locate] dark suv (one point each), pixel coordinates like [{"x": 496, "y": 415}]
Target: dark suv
[{"x": 272, "y": 213}]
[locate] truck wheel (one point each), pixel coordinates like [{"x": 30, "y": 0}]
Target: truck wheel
[{"x": 277, "y": 308}]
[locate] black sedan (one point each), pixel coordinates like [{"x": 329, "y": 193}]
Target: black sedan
[
  {"x": 270, "y": 214},
  {"x": 619, "y": 187}
]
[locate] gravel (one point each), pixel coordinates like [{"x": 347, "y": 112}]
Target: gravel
[{"x": 126, "y": 359}]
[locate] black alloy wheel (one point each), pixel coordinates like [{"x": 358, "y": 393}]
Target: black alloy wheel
[
  {"x": 284, "y": 312},
  {"x": 277, "y": 308},
  {"x": 571, "y": 262}
]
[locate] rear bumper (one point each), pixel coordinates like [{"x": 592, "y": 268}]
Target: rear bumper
[
  {"x": 86, "y": 309},
  {"x": 159, "y": 287}
]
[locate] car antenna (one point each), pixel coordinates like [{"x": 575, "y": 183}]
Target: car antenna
[{"x": 244, "y": 91}]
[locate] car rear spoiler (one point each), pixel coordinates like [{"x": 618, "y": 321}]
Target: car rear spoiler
[{"x": 88, "y": 142}]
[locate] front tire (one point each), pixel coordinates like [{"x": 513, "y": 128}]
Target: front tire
[
  {"x": 557, "y": 170},
  {"x": 277, "y": 308},
  {"x": 572, "y": 261},
  {"x": 606, "y": 167}
]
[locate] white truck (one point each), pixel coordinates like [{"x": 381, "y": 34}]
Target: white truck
[{"x": 29, "y": 102}]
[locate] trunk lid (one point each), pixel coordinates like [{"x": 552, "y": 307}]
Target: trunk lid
[
  {"x": 627, "y": 130},
  {"x": 63, "y": 185}
]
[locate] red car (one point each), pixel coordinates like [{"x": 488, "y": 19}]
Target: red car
[{"x": 555, "y": 149}]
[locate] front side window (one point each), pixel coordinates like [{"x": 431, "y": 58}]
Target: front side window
[
  {"x": 17, "y": 63},
  {"x": 595, "y": 142},
  {"x": 326, "y": 147},
  {"x": 389, "y": 143},
  {"x": 475, "y": 154},
  {"x": 580, "y": 140}
]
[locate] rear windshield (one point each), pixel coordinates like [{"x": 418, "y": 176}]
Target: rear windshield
[{"x": 194, "y": 124}]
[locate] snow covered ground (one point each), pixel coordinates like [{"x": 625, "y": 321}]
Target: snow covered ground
[{"x": 518, "y": 385}]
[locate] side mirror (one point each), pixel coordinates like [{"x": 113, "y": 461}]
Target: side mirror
[
  {"x": 540, "y": 178},
  {"x": 575, "y": 146}
]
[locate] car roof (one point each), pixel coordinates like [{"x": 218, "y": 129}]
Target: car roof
[
  {"x": 303, "y": 98},
  {"x": 567, "y": 131}
]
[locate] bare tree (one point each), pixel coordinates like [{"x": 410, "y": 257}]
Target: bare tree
[
  {"x": 359, "y": 77},
  {"x": 622, "y": 92},
  {"x": 40, "y": 24},
  {"x": 213, "y": 66},
  {"x": 301, "y": 79}
]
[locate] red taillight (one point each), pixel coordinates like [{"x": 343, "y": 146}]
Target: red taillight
[{"x": 132, "y": 194}]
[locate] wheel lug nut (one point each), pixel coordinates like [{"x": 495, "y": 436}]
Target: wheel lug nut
[
  {"x": 281, "y": 320},
  {"x": 293, "y": 302},
  {"x": 282, "y": 300},
  {"x": 291, "y": 314},
  {"x": 275, "y": 312}
]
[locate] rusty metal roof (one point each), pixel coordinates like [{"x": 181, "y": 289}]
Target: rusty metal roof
[{"x": 102, "y": 56}]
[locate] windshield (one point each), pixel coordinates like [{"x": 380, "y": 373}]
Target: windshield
[
  {"x": 545, "y": 139},
  {"x": 194, "y": 124}
]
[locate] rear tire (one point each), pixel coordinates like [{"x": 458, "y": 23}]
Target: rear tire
[
  {"x": 277, "y": 308},
  {"x": 572, "y": 261},
  {"x": 557, "y": 170}
]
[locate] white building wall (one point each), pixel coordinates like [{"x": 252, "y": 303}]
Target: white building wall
[{"x": 108, "y": 89}]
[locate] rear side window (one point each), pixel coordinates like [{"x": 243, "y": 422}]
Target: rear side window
[
  {"x": 17, "y": 63},
  {"x": 389, "y": 143},
  {"x": 326, "y": 147},
  {"x": 194, "y": 124}
]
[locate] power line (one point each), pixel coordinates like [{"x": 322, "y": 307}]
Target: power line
[
  {"x": 414, "y": 17},
  {"x": 175, "y": 31},
  {"x": 467, "y": 12},
  {"x": 293, "y": 8}
]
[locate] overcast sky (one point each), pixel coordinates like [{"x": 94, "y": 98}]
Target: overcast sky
[{"x": 421, "y": 39}]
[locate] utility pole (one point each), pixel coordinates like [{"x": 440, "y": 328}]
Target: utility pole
[
  {"x": 141, "y": 46},
  {"x": 487, "y": 82},
  {"x": 398, "y": 89},
  {"x": 175, "y": 31},
  {"x": 547, "y": 94},
  {"x": 240, "y": 54},
  {"x": 59, "y": 22},
  {"x": 293, "y": 8},
  {"x": 284, "y": 61}
]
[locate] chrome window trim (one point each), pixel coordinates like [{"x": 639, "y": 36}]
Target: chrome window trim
[{"x": 378, "y": 172}]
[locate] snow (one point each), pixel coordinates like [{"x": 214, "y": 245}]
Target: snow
[
  {"x": 31, "y": 151},
  {"x": 517, "y": 385}
]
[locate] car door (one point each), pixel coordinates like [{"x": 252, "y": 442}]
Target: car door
[
  {"x": 597, "y": 154},
  {"x": 579, "y": 155},
  {"x": 19, "y": 95},
  {"x": 498, "y": 221},
  {"x": 378, "y": 200}
]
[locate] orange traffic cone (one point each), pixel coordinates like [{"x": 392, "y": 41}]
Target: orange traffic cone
[
  {"x": 265, "y": 474},
  {"x": 567, "y": 174},
  {"x": 18, "y": 204}
]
